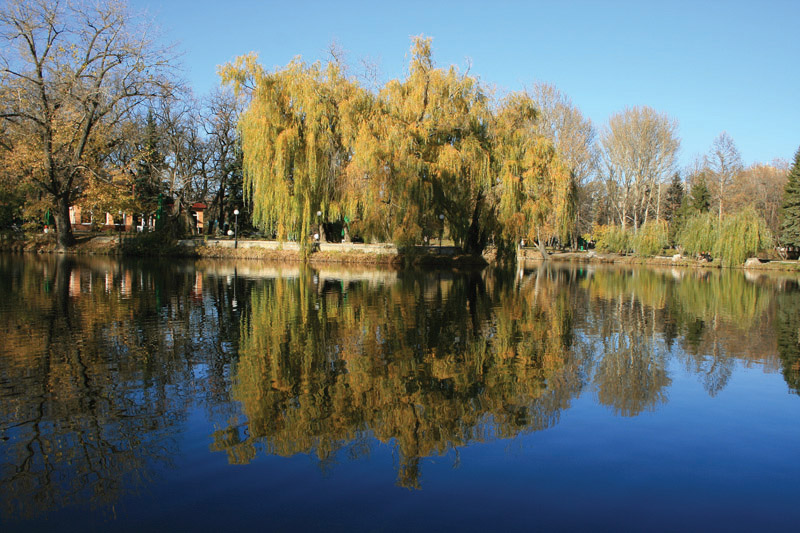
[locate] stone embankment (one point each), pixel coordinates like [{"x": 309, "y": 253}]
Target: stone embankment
[{"x": 370, "y": 254}]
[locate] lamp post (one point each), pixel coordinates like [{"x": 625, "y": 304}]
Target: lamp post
[
  {"x": 441, "y": 229},
  {"x": 235, "y": 302},
  {"x": 319, "y": 225},
  {"x": 236, "y": 229}
]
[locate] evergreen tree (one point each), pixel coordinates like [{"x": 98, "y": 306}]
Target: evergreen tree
[
  {"x": 674, "y": 197},
  {"x": 675, "y": 207},
  {"x": 148, "y": 175},
  {"x": 790, "y": 211},
  {"x": 701, "y": 197}
]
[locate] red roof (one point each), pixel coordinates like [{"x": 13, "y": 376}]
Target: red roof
[{"x": 199, "y": 205}]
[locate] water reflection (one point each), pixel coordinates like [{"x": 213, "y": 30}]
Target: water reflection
[
  {"x": 426, "y": 363},
  {"x": 97, "y": 372},
  {"x": 102, "y": 360}
]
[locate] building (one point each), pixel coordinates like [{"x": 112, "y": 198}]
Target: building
[{"x": 82, "y": 220}]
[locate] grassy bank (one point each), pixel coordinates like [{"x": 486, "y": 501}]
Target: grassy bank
[{"x": 591, "y": 257}]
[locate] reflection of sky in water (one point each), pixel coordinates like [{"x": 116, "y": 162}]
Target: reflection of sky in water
[{"x": 709, "y": 442}]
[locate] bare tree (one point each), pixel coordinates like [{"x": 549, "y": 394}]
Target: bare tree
[
  {"x": 639, "y": 146},
  {"x": 188, "y": 157},
  {"x": 71, "y": 70},
  {"x": 725, "y": 163},
  {"x": 220, "y": 119},
  {"x": 573, "y": 136}
]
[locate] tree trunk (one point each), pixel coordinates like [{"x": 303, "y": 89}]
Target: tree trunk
[
  {"x": 475, "y": 242},
  {"x": 64, "y": 236},
  {"x": 658, "y": 204},
  {"x": 540, "y": 244}
]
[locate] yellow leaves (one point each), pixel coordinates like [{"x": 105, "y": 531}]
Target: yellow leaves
[
  {"x": 244, "y": 72},
  {"x": 314, "y": 140}
]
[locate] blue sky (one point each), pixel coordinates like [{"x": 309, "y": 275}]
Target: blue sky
[{"x": 711, "y": 65}]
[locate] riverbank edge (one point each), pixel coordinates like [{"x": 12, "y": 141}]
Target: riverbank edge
[
  {"x": 380, "y": 255},
  {"x": 661, "y": 261},
  {"x": 110, "y": 245}
]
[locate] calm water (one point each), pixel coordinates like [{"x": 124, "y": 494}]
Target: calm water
[{"x": 208, "y": 396}]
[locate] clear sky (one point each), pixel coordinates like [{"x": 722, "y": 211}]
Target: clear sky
[{"x": 712, "y": 65}]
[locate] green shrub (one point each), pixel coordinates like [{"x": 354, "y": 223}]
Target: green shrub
[
  {"x": 612, "y": 238},
  {"x": 150, "y": 243},
  {"x": 651, "y": 239},
  {"x": 698, "y": 234}
]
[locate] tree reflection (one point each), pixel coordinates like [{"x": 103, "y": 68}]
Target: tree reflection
[
  {"x": 787, "y": 329},
  {"x": 716, "y": 317},
  {"x": 429, "y": 364},
  {"x": 102, "y": 360},
  {"x": 96, "y": 380}
]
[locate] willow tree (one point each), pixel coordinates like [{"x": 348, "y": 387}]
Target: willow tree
[
  {"x": 742, "y": 235},
  {"x": 535, "y": 190},
  {"x": 294, "y": 140},
  {"x": 424, "y": 152}
]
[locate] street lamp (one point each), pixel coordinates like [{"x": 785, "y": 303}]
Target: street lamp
[
  {"x": 441, "y": 229},
  {"x": 236, "y": 229}
]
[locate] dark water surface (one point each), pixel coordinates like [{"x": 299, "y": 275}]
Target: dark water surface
[{"x": 212, "y": 396}]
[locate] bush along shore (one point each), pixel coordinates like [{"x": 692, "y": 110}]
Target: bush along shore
[{"x": 160, "y": 245}]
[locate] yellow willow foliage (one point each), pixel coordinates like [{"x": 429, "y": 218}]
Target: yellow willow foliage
[
  {"x": 394, "y": 163},
  {"x": 536, "y": 190},
  {"x": 295, "y": 138},
  {"x": 425, "y": 151}
]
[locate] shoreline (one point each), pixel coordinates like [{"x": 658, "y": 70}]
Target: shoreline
[{"x": 361, "y": 254}]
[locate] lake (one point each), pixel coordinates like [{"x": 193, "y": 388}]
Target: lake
[{"x": 162, "y": 395}]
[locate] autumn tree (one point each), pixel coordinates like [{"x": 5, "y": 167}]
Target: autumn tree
[
  {"x": 790, "y": 211},
  {"x": 427, "y": 152},
  {"x": 294, "y": 141},
  {"x": 724, "y": 163},
  {"x": 535, "y": 188},
  {"x": 741, "y": 235},
  {"x": 71, "y": 70},
  {"x": 760, "y": 185},
  {"x": 638, "y": 149}
]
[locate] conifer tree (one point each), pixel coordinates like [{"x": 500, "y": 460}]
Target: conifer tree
[
  {"x": 701, "y": 197},
  {"x": 675, "y": 207},
  {"x": 674, "y": 197},
  {"x": 148, "y": 180},
  {"x": 790, "y": 211}
]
